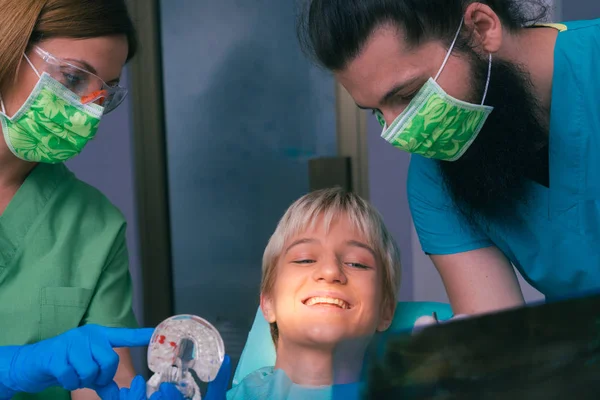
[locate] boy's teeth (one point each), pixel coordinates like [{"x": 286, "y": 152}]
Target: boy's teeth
[{"x": 327, "y": 300}]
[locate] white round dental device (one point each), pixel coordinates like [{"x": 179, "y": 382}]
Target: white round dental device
[{"x": 181, "y": 347}]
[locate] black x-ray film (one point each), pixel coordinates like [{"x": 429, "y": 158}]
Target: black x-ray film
[{"x": 550, "y": 351}]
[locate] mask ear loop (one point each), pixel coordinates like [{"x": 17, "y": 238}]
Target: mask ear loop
[
  {"x": 34, "y": 70},
  {"x": 487, "y": 83},
  {"x": 449, "y": 51},
  {"x": 31, "y": 65}
]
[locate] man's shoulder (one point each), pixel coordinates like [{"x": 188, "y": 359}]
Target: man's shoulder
[
  {"x": 575, "y": 87},
  {"x": 578, "y": 40},
  {"x": 586, "y": 25},
  {"x": 425, "y": 180},
  {"x": 421, "y": 171}
]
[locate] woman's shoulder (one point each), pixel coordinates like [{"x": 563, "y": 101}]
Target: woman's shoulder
[
  {"x": 56, "y": 202},
  {"x": 78, "y": 197}
]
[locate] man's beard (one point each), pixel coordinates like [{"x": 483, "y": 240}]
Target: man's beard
[{"x": 489, "y": 181}]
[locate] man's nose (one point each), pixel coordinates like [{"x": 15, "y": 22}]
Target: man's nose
[{"x": 390, "y": 115}]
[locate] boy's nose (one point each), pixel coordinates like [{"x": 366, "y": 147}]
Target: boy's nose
[{"x": 330, "y": 271}]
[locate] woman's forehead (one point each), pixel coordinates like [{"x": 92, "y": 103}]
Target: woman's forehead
[{"x": 105, "y": 55}]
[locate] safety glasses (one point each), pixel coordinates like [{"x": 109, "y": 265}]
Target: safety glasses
[{"x": 88, "y": 86}]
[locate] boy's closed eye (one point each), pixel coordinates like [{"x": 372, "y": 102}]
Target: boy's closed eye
[
  {"x": 348, "y": 263},
  {"x": 303, "y": 261},
  {"x": 357, "y": 265}
]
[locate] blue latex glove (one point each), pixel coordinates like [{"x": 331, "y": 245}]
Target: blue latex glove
[
  {"x": 137, "y": 391},
  {"x": 80, "y": 358},
  {"x": 167, "y": 391},
  {"x": 217, "y": 389}
]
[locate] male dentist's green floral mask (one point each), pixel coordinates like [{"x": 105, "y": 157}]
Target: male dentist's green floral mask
[
  {"x": 52, "y": 126},
  {"x": 435, "y": 124}
]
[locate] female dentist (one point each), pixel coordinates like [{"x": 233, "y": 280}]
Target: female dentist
[
  {"x": 63, "y": 256},
  {"x": 65, "y": 288}
]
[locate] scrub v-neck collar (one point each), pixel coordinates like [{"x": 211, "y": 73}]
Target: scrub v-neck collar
[{"x": 25, "y": 208}]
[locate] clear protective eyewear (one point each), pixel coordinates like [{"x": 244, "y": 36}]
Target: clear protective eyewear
[{"x": 89, "y": 87}]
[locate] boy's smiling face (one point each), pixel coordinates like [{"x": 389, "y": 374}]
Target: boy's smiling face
[{"x": 328, "y": 287}]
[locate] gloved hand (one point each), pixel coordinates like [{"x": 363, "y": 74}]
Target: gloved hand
[
  {"x": 137, "y": 391},
  {"x": 217, "y": 389},
  {"x": 80, "y": 358},
  {"x": 427, "y": 320}
]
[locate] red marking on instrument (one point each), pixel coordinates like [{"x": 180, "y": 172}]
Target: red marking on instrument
[
  {"x": 161, "y": 339},
  {"x": 173, "y": 344}
]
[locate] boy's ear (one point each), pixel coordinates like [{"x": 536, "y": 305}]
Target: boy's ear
[
  {"x": 266, "y": 305},
  {"x": 387, "y": 316}
]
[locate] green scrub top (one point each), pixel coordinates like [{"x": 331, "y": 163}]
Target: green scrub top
[{"x": 63, "y": 262}]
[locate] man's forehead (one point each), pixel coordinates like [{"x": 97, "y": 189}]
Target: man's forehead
[
  {"x": 386, "y": 62},
  {"x": 384, "y": 44}
]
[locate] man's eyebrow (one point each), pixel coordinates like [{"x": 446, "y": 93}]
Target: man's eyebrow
[{"x": 391, "y": 93}]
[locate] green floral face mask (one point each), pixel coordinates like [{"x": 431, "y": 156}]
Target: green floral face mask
[
  {"x": 52, "y": 126},
  {"x": 435, "y": 124}
]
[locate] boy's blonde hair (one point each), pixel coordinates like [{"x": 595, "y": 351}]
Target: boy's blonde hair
[{"x": 331, "y": 203}]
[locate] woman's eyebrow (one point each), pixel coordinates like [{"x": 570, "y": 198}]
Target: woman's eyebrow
[
  {"x": 88, "y": 67},
  {"x": 114, "y": 81}
]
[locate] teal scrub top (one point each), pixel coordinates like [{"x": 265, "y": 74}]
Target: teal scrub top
[
  {"x": 63, "y": 261},
  {"x": 556, "y": 247},
  {"x": 270, "y": 383}
]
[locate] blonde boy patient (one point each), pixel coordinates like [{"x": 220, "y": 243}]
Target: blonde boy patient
[{"x": 330, "y": 277}]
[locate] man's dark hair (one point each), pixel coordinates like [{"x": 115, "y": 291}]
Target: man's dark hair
[{"x": 333, "y": 32}]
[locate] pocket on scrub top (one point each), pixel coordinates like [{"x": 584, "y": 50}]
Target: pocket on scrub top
[{"x": 62, "y": 308}]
